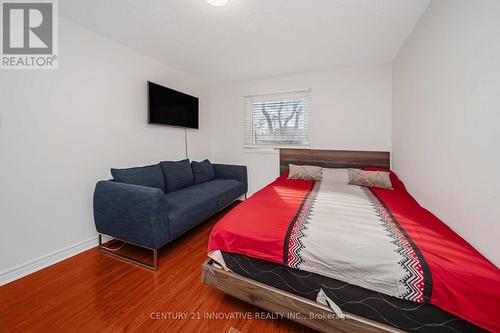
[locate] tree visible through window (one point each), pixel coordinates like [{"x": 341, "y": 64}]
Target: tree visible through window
[{"x": 277, "y": 120}]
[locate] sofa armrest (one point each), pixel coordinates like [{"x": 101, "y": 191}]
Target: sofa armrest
[
  {"x": 228, "y": 171},
  {"x": 130, "y": 212}
]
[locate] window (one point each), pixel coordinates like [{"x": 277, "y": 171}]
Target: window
[{"x": 277, "y": 120}]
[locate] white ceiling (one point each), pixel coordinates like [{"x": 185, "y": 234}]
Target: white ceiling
[{"x": 250, "y": 39}]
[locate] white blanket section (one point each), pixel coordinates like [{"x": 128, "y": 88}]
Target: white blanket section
[{"x": 344, "y": 238}]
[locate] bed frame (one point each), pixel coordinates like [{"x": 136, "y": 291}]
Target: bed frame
[
  {"x": 334, "y": 158},
  {"x": 297, "y": 308}
]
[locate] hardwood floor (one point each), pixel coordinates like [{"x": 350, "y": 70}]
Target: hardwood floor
[{"x": 92, "y": 292}]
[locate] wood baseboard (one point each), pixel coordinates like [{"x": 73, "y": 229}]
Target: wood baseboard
[{"x": 296, "y": 308}]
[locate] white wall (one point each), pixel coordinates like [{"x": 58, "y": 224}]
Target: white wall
[
  {"x": 446, "y": 118},
  {"x": 61, "y": 130},
  {"x": 351, "y": 109}
]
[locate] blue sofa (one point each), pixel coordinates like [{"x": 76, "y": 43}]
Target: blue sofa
[{"x": 151, "y": 206}]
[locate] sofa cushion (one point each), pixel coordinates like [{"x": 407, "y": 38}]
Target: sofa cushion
[
  {"x": 178, "y": 175},
  {"x": 190, "y": 206},
  {"x": 202, "y": 171},
  {"x": 149, "y": 176}
]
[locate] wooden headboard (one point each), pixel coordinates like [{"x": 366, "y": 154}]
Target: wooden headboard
[{"x": 333, "y": 158}]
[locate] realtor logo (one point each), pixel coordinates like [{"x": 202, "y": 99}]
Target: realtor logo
[{"x": 29, "y": 34}]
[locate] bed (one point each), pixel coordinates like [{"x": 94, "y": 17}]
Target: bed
[{"x": 385, "y": 264}]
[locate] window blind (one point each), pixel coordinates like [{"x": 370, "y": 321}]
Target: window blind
[{"x": 277, "y": 120}]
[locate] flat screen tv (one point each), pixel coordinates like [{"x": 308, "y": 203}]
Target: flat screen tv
[{"x": 170, "y": 107}]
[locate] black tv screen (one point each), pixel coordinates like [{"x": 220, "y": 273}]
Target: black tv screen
[{"x": 170, "y": 107}]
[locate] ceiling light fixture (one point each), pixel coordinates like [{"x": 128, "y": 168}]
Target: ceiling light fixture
[{"x": 217, "y": 3}]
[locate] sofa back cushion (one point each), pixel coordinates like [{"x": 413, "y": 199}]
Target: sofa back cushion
[
  {"x": 149, "y": 176},
  {"x": 178, "y": 175},
  {"x": 202, "y": 171}
]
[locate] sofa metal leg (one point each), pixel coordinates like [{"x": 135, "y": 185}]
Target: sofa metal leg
[
  {"x": 155, "y": 259},
  {"x": 105, "y": 250},
  {"x": 245, "y": 196}
]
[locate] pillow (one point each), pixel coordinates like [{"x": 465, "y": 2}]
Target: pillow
[
  {"x": 370, "y": 178},
  {"x": 149, "y": 176},
  {"x": 396, "y": 182},
  {"x": 335, "y": 176},
  {"x": 177, "y": 174},
  {"x": 304, "y": 172},
  {"x": 202, "y": 171}
]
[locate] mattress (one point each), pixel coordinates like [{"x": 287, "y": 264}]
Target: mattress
[
  {"x": 377, "y": 239},
  {"x": 393, "y": 311}
]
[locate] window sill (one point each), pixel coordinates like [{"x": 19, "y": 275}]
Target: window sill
[
  {"x": 261, "y": 150},
  {"x": 270, "y": 150}
]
